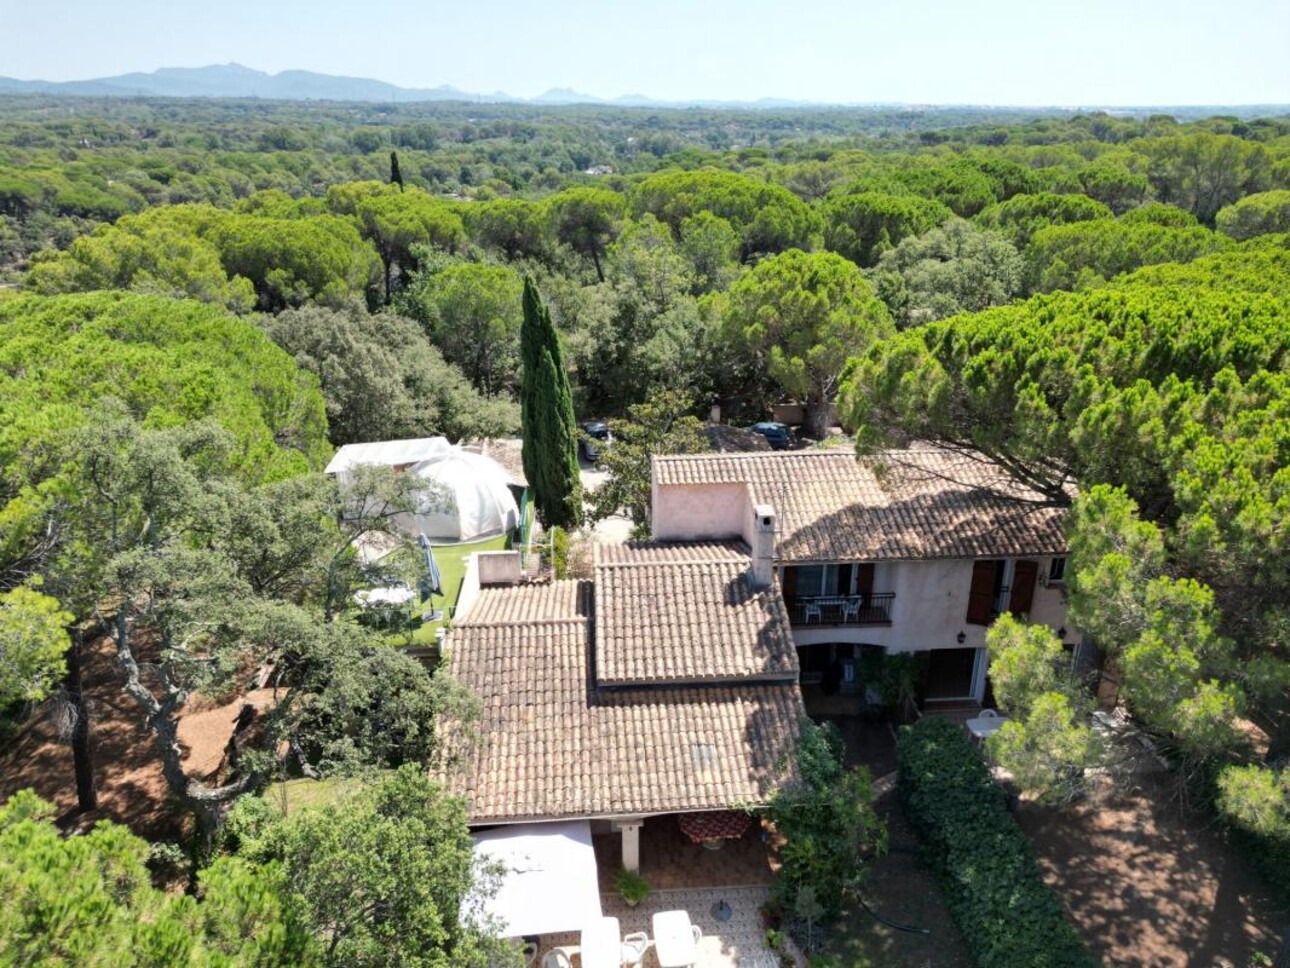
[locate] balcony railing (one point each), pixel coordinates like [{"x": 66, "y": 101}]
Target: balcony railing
[{"x": 842, "y": 609}]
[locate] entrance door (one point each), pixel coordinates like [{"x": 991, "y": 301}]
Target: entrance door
[{"x": 952, "y": 674}]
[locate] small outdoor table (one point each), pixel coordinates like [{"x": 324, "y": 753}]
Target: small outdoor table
[
  {"x": 675, "y": 944},
  {"x": 985, "y": 726},
  {"x": 602, "y": 944}
]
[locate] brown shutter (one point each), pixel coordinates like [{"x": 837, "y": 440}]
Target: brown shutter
[
  {"x": 1023, "y": 587},
  {"x": 789, "y": 584},
  {"x": 980, "y": 608},
  {"x": 864, "y": 580}
]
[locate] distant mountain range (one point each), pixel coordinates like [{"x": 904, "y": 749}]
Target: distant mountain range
[{"x": 236, "y": 81}]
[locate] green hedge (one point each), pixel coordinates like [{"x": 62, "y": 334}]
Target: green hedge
[
  {"x": 1269, "y": 855},
  {"x": 991, "y": 882}
]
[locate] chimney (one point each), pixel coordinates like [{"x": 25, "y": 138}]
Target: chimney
[{"x": 762, "y": 571}]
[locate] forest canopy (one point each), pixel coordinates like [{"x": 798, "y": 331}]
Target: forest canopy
[{"x": 200, "y": 300}]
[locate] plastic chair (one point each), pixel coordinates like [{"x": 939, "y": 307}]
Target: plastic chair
[
  {"x": 813, "y": 609},
  {"x": 851, "y": 610},
  {"x": 634, "y": 947},
  {"x": 988, "y": 714},
  {"x": 560, "y": 957}
]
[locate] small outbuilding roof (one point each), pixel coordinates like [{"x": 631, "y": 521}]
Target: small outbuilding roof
[{"x": 387, "y": 453}]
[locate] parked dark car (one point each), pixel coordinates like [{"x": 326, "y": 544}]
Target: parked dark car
[
  {"x": 595, "y": 437},
  {"x": 777, "y": 434}
]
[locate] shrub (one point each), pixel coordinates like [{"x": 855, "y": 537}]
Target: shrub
[
  {"x": 992, "y": 884},
  {"x": 560, "y": 552},
  {"x": 631, "y": 885},
  {"x": 829, "y": 828},
  {"x": 1254, "y": 804}
]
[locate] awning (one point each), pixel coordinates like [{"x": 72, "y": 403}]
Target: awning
[{"x": 549, "y": 877}]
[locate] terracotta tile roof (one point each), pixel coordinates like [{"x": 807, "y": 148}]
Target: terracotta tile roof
[
  {"x": 559, "y": 600},
  {"x": 726, "y": 439},
  {"x": 550, "y": 745},
  {"x": 923, "y": 502},
  {"x": 686, "y": 613},
  {"x": 651, "y": 552},
  {"x": 507, "y": 451}
]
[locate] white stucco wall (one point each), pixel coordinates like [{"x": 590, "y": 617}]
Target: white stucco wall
[
  {"x": 470, "y": 588},
  {"x": 498, "y": 567},
  {"x": 930, "y": 609},
  {"x": 700, "y": 511}
]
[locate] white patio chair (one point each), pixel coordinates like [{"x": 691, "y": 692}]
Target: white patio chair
[
  {"x": 988, "y": 714},
  {"x": 634, "y": 947},
  {"x": 813, "y": 610},
  {"x": 851, "y": 610},
  {"x": 676, "y": 939},
  {"x": 560, "y": 957},
  {"x": 530, "y": 952}
]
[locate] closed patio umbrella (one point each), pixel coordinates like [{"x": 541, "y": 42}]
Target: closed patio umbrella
[{"x": 714, "y": 825}]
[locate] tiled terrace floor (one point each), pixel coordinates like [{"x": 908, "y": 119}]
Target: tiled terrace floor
[
  {"x": 671, "y": 861},
  {"x": 737, "y": 943}
]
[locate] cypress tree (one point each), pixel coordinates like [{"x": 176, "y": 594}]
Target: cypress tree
[
  {"x": 546, "y": 413},
  {"x": 396, "y": 176}
]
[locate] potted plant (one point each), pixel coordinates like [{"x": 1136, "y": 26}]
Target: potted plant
[{"x": 632, "y": 886}]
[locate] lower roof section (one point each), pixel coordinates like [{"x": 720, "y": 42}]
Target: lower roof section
[{"x": 550, "y": 745}]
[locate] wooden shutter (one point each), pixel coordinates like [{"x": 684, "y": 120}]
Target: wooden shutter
[
  {"x": 980, "y": 608},
  {"x": 1023, "y": 587},
  {"x": 789, "y": 584},
  {"x": 864, "y": 580}
]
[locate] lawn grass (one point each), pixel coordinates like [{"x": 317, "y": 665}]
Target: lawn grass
[
  {"x": 900, "y": 887},
  {"x": 303, "y": 793},
  {"x": 451, "y": 560}
]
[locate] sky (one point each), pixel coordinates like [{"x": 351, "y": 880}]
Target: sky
[{"x": 999, "y": 52}]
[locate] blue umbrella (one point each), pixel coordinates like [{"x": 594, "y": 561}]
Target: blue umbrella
[{"x": 434, "y": 581}]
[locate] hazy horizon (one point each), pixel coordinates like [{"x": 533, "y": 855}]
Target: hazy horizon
[{"x": 928, "y": 52}]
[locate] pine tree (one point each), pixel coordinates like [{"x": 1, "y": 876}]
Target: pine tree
[
  {"x": 396, "y": 176},
  {"x": 546, "y": 413}
]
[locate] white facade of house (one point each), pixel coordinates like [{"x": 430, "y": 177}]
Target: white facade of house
[
  {"x": 924, "y": 601},
  {"x": 930, "y": 609}
]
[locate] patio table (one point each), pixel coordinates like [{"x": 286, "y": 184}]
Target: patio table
[
  {"x": 602, "y": 944},
  {"x": 985, "y": 726},
  {"x": 676, "y": 940}
]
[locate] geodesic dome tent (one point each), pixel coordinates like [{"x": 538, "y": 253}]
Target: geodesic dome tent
[{"x": 472, "y": 498}]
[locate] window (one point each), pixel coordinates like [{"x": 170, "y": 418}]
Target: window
[
  {"x": 1000, "y": 586},
  {"x": 1057, "y": 571},
  {"x": 814, "y": 580}
]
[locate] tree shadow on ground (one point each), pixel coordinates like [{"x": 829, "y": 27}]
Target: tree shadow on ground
[
  {"x": 1148, "y": 885},
  {"x": 127, "y": 770}
]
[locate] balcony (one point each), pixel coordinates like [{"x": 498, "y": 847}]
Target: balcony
[{"x": 841, "y": 610}]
